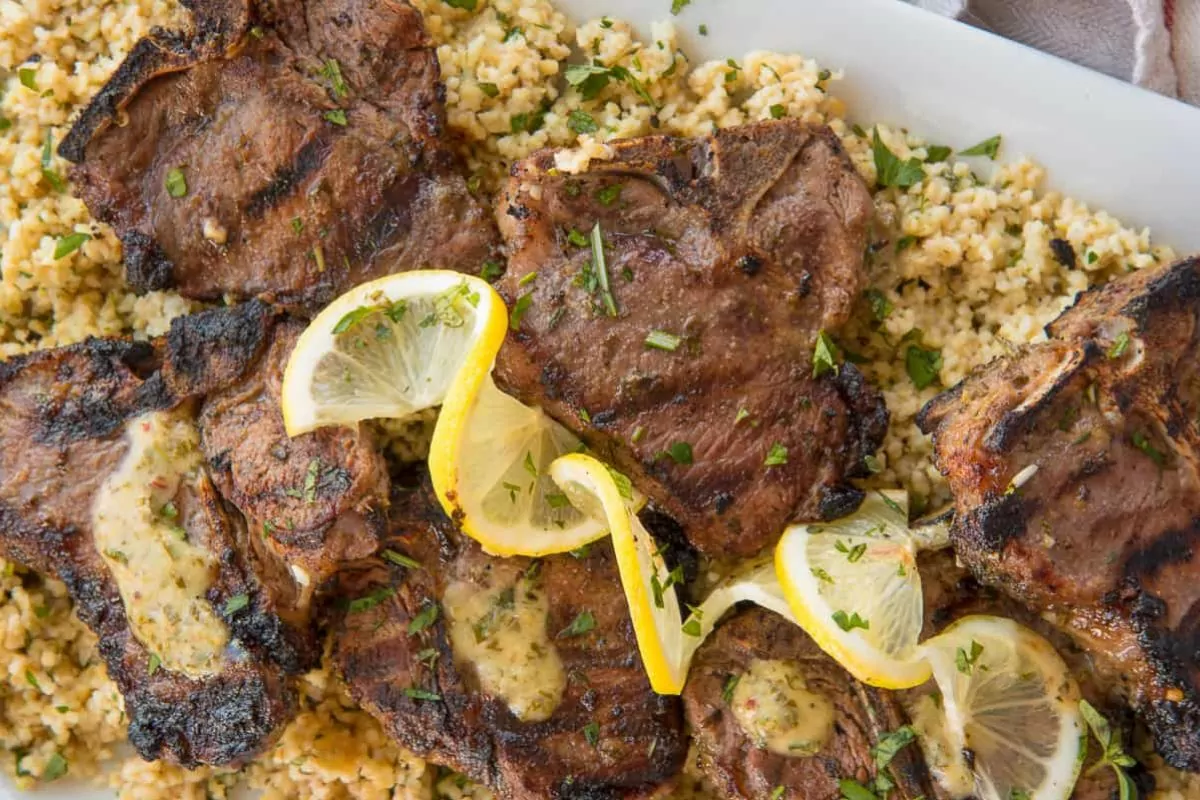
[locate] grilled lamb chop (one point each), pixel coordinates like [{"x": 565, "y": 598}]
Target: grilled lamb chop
[
  {"x": 288, "y": 149},
  {"x": 523, "y": 675},
  {"x": 750, "y": 665},
  {"x": 732, "y": 251},
  {"x": 105, "y": 486},
  {"x": 1074, "y": 466}
]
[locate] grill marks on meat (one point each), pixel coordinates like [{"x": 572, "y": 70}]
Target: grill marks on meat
[
  {"x": 638, "y": 736},
  {"x": 63, "y": 420},
  {"x": 1101, "y": 423},
  {"x": 282, "y": 201},
  {"x": 745, "y": 244},
  {"x": 740, "y": 768}
]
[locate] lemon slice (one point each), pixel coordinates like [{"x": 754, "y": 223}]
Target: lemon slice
[
  {"x": 391, "y": 348},
  {"x": 853, "y": 586},
  {"x": 666, "y": 640},
  {"x": 1007, "y": 699},
  {"x": 489, "y": 462}
]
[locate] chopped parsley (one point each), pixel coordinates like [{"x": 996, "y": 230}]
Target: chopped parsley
[
  {"x": 28, "y": 78},
  {"x": 337, "y": 116},
  {"x": 965, "y": 660},
  {"x": 52, "y": 177},
  {"x": 423, "y": 619},
  {"x": 680, "y": 452},
  {"x": 583, "y": 622},
  {"x": 988, "y": 147},
  {"x": 588, "y": 79},
  {"x": 776, "y": 456},
  {"x": 890, "y": 170},
  {"x": 117, "y": 556},
  {"x": 422, "y": 694},
  {"x": 527, "y": 122},
  {"x": 890, "y": 744},
  {"x": 821, "y": 574},
  {"x": 591, "y": 732},
  {"x": 824, "y": 355},
  {"x": 1119, "y": 345},
  {"x": 490, "y": 89},
  {"x": 853, "y": 790},
  {"x": 661, "y": 340},
  {"x": 582, "y": 122},
  {"x": 703, "y": 29},
  {"x": 924, "y": 366},
  {"x": 777, "y": 111},
  {"x": 1114, "y": 752},
  {"x": 936, "y": 153},
  {"x": 370, "y": 601},
  {"x": 1153, "y": 453},
  {"x": 577, "y": 238},
  {"x": 730, "y": 687},
  {"x": 520, "y": 309},
  {"x": 69, "y": 244},
  {"x": 236, "y": 604},
  {"x": 624, "y": 485},
  {"x": 331, "y": 70},
  {"x": 491, "y": 270},
  {"x": 400, "y": 560},
  {"x": 849, "y": 622},
  {"x": 905, "y": 242},
  {"x": 679, "y": 5},
  {"x": 176, "y": 183},
  {"x": 659, "y": 588},
  {"x": 607, "y": 195},
  {"x": 56, "y": 767},
  {"x": 154, "y": 663},
  {"x": 310, "y": 481},
  {"x": 873, "y": 464},
  {"x": 853, "y": 554},
  {"x": 692, "y": 626},
  {"x": 600, "y": 268},
  {"x": 742, "y": 413},
  {"x": 881, "y": 307},
  {"x": 530, "y": 467}
]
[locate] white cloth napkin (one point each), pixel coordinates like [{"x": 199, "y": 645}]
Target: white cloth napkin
[{"x": 1153, "y": 43}]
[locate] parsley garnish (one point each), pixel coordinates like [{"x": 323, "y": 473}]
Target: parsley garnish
[
  {"x": 777, "y": 111},
  {"x": 236, "y": 604},
  {"x": 1114, "y": 752},
  {"x": 582, "y": 122},
  {"x": 881, "y": 307},
  {"x": 661, "y": 340},
  {"x": 679, "y": 5},
  {"x": 491, "y": 270},
  {"x": 1119, "y": 345},
  {"x": 583, "y": 622},
  {"x": 692, "y": 626},
  {"x": 905, "y": 242},
  {"x": 53, "y": 178},
  {"x": 821, "y": 574},
  {"x": 310, "y": 481},
  {"x": 424, "y": 618},
  {"x": 28, "y": 78},
  {"x": 730, "y": 687},
  {"x": 777, "y": 456},
  {"x": 154, "y": 663},
  {"x": 824, "y": 355},
  {"x": 589, "y": 79},
  {"x": 600, "y": 267},
  {"x": 988, "y": 147},
  {"x": 849, "y": 622},
  {"x": 56, "y": 767},
  {"x": 777, "y": 792},
  {"x": 401, "y": 560},
  {"x": 520, "y": 308},
  {"x": 490, "y": 89},
  {"x": 891, "y": 744},
  {"x": 935, "y": 153},
  {"x": 964, "y": 660},
  {"x": 1153, "y": 453},
  {"x": 422, "y": 694},
  {"x": 680, "y": 452},
  {"x": 337, "y": 116},
  {"x": 69, "y": 244},
  {"x": 591, "y": 732},
  {"x": 853, "y": 554},
  {"x": 923, "y": 366},
  {"x": 853, "y": 790},
  {"x": 370, "y": 601},
  {"x": 607, "y": 195},
  {"x": 332, "y": 71},
  {"x": 576, "y": 238},
  {"x": 890, "y": 170},
  {"x": 624, "y": 485}
]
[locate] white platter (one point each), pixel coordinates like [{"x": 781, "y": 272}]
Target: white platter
[{"x": 1115, "y": 146}]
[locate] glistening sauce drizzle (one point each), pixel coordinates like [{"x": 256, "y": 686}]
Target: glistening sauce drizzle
[
  {"x": 776, "y": 709},
  {"x": 501, "y": 630},
  {"x": 161, "y": 575}
]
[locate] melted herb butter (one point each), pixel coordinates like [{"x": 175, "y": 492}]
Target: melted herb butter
[
  {"x": 775, "y": 708},
  {"x": 501, "y": 630},
  {"x": 162, "y": 576}
]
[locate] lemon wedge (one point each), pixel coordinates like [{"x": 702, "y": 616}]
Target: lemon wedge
[
  {"x": 853, "y": 586},
  {"x": 489, "y": 461},
  {"x": 1008, "y": 699},
  {"x": 391, "y": 348}
]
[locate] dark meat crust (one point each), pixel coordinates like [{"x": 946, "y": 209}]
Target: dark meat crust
[
  {"x": 745, "y": 243},
  {"x": 743, "y": 771},
  {"x": 281, "y": 201},
  {"x": 62, "y": 422},
  {"x": 1103, "y": 535},
  {"x": 640, "y": 745}
]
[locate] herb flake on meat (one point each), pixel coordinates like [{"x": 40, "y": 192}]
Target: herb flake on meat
[{"x": 584, "y": 621}]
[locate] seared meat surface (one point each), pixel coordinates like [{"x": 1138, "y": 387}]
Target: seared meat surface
[
  {"x": 288, "y": 149},
  {"x": 425, "y": 649},
  {"x": 741, "y": 763},
  {"x": 738, "y": 248},
  {"x": 105, "y": 486},
  {"x": 1074, "y": 467}
]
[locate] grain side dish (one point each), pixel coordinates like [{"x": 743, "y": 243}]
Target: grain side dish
[{"x": 968, "y": 260}]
